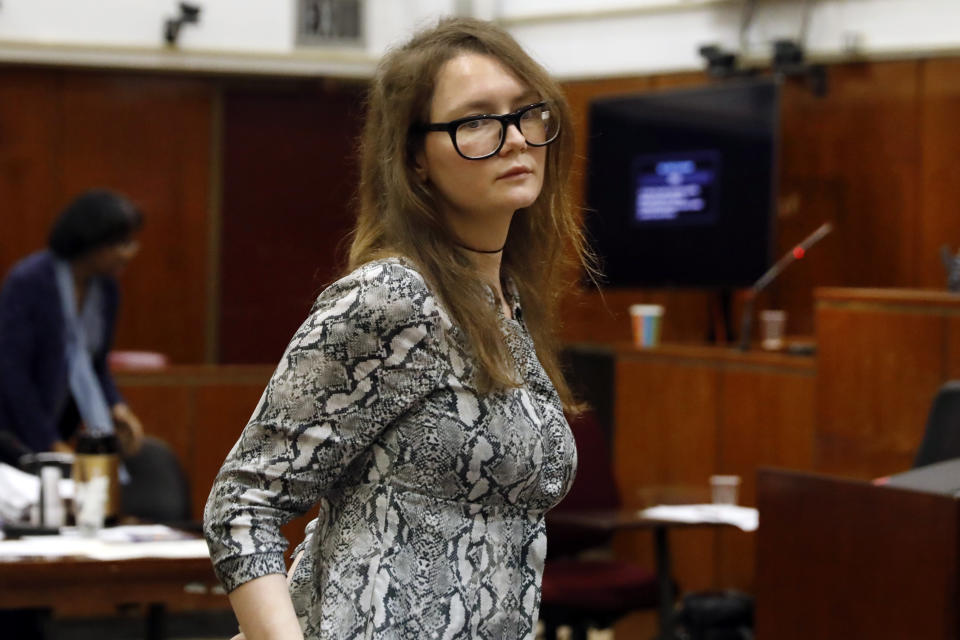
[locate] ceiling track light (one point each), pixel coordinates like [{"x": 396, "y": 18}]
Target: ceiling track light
[
  {"x": 189, "y": 14},
  {"x": 720, "y": 63},
  {"x": 789, "y": 61}
]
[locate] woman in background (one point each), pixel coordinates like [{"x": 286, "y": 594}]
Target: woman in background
[
  {"x": 58, "y": 311},
  {"x": 421, "y": 402}
]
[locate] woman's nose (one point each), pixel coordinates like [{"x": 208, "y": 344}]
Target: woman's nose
[{"x": 513, "y": 139}]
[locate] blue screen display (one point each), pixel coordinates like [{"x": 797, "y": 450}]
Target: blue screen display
[{"x": 677, "y": 187}]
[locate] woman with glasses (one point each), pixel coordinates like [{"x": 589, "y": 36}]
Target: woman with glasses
[{"x": 421, "y": 403}]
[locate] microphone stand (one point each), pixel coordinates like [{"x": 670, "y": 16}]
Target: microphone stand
[{"x": 746, "y": 322}]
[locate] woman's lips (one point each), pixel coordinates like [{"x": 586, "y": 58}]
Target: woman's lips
[{"x": 515, "y": 172}]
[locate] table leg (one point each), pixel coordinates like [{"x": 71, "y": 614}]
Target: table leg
[
  {"x": 156, "y": 622},
  {"x": 664, "y": 583}
]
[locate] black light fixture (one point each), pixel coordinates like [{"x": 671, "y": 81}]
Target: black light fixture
[
  {"x": 189, "y": 14},
  {"x": 789, "y": 61},
  {"x": 720, "y": 63},
  {"x": 787, "y": 56}
]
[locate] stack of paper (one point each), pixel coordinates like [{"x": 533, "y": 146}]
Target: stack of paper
[{"x": 743, "y": 517}]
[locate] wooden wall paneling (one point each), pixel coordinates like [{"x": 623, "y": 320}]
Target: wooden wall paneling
[
  {"x": 939, "y": 213},
  {"x": 222, "y": 411},
  {"x": 767, "y": 419},
  {"x": 878, "y": 368},
  {"x": 29, "y": 139},
  {"x": 148, "y": 137},
  {"x": 851, "y": 157},
  {"x": 952, "y": 357},
  {"x": 589, "y": 315},
  {"x": 289, "y": 177},
  {"x": 666, "y": 416}
]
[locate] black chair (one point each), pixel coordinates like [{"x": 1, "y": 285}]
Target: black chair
[
  {"x": 158, "y": 490},
  {"x": 941, "y": 438}
]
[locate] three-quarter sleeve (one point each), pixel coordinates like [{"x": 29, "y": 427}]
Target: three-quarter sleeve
[{"x": 367, "y": 353}]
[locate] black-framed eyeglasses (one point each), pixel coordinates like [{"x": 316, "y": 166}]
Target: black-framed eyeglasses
[{"x": 479, "y": 137}]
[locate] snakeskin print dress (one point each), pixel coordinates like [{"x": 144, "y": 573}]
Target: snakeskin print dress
[{"x": 432, "y": 495}]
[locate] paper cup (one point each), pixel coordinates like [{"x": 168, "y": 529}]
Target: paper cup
[
  {"x": 773, "y": 323},
  {"x": 646, "y": 320},
  {"x": 724, "y": 489}
]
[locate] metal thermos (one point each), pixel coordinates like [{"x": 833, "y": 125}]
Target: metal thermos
[{"x": 51, "y": 510}]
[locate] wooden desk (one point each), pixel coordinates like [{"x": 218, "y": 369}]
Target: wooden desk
[
  {"x": 842, "y": 559},
  {"x": 70, "y": 586},
  {"x": 81, "y": 585},
  {"x": 882, "y": 354}
]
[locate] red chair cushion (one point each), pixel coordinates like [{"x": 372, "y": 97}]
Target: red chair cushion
[{"x": 598, "y": 585}]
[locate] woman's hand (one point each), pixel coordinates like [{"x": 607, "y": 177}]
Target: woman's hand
[
  {"x": 293, "y": 567},
  {"x": 128, "y": 428},
  {"x": 61, "y": 447}
]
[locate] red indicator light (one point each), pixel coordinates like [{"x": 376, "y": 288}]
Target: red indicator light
[{"x": 798, "y": 252}]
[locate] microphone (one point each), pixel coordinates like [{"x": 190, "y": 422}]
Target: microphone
[{"x": 797, "y": 253}]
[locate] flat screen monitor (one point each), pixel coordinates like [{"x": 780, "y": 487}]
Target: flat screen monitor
[{"x": 681, "y": 184}]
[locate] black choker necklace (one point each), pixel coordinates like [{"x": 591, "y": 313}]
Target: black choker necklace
[{"x": 463, "y": 246}]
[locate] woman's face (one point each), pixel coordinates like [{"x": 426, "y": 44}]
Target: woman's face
[
  {"x": 112, "y": 259},
  {"x": 474, "y": 84}
]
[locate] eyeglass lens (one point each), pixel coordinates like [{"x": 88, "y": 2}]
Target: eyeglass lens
[{"x": 481, "y": 137}]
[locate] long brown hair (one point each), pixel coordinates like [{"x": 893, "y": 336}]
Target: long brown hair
[{"x": 399, "y": 214}]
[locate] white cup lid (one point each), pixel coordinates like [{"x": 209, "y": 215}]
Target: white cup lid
[{"x": 646, "y": 309}]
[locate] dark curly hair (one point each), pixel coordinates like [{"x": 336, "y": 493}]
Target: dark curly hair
[{"x": 97, "y": 218}]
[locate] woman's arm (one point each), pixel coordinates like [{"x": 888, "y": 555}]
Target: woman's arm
[
  {"x": 242, "y": 635},
  {"x": 264, "y": 609},
  {"x": 34, "y": 424}
]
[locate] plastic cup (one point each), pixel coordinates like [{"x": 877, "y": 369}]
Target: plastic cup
[
  {"x": 724, "y": 489},
  {"x": 90, "y": 503},
  {"x": 646, "y": 320},
  {"x": 773, "y": 323}
]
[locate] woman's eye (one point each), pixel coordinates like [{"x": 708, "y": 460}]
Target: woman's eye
[{"x": 473, "y": 124}]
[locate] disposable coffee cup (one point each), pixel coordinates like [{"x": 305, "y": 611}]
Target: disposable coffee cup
[
  {"x": 724, "y": 489},
  {"x": 773, "y": 324},
  {"x": 646, "y": 320}
]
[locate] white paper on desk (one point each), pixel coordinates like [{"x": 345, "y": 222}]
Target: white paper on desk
[
  {"x": 18, "y": 491},
  {"x": 47, "y": 547},
  {"x": 142, "y": 533},
  {"x": 167, "y": 549},
  {"x": 62, "y": 546},
  {"x": 745, "y": 518}
]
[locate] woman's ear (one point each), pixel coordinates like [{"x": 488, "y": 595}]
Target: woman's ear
[{"x": 420, "y": 165}]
